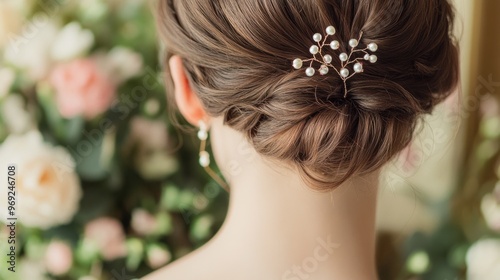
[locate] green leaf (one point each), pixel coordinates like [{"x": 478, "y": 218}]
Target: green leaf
[
  {"x": 418, "y": 262},
  {"x": 164, "y": 224},
  {"x": 96, "y": 202},
  {"x": 34, "y": 247},
  {"x": 490, "y": 128},
  {"x": 185, "y": 200},
  {"x": 169, "y": 197},
  {"x": 135, "y": 253},
  {"x": 201, "y": 228},
  {"x": 87, "y": 252},
  {"x": 87, "y": 153},
  {"x": 66, "y": 130}
]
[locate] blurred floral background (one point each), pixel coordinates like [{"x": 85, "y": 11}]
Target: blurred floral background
[
  {"x": 106, "y": 187},
  {"x": 109, "y": 188}
]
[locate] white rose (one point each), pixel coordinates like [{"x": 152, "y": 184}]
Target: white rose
[
  {"x": 15, "y": 116},
  {"x": 47, "y": 188},
  {"x": 121, "y": 64},
  {"x": 93, "y": 10},
  {"x": 7, "y": 77},
  {"x": 31, "y": 269},
  {"x": 483, "y": 260},
  {"x": 29, "y": 50},
  {"x": 490, "y": 207},
  {"x": 10, "y": 20},
  {"x": 71, "y": 42}
]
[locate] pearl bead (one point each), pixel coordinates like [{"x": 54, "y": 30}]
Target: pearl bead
[
  {"x": 323, "y": 70},
  {"x": 353, "y": 43},
  {"x": 297, "y": 63},
  {"x": 367, "y": 57},
  {"x": 373, "y": 47},
  {"x": 204, "y": 159},
  {"x": 310, "y": 71},
  {"x": 344, "y": 72},
  {"x": 358, "y": 67},
  {"x": 317, "y": 37},
  {"x": 330, "y": 30},
  {"x": 343, "y": 57},
  {"x": 314, "y": 50},
  {"x": 373, "y": 58},
  {"x": 327, "y": 59},
  {"x": 202, "y": 135},
  {"x": 335, "y": 45}
]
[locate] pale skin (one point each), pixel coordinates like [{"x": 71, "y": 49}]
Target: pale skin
[{"x": 277, "y": 228}]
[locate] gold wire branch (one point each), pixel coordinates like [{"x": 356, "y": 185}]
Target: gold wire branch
[{"x": 345, "y": 59}]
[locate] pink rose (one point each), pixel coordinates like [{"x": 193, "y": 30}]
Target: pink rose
[
  {"x": 58, "y": 258},
  {"x": 107, "y": 234},
  {"x": 81, "y": 89},
  {"x": 143, "y": 223}
]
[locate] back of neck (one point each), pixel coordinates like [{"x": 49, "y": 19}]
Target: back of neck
[{"x": 293, "y": 232}]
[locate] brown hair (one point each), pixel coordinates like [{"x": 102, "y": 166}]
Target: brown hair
[{"x": 238, "y": 56}]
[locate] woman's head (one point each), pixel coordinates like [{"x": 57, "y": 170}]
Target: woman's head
[{"x": 238, "y": 55}]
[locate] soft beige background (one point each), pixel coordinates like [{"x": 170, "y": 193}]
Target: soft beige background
[{"x": 411, "y": 197}]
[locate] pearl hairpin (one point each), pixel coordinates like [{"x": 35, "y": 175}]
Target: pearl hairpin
[{"x": 345, "y": 59}]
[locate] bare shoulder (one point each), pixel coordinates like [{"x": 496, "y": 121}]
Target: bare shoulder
[{"x": 198, "y": 265}]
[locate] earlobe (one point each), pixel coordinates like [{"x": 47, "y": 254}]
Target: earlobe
[{"x": 187, "y": 101}]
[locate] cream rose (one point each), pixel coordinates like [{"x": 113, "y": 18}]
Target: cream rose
[
  {"x": 47, "y": 188},
  {"x": 490, "y": 207},
  {"x": 483, "y": 259},
  {"x": 10, "y": 21}
]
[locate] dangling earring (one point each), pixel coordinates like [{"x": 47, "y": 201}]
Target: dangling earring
[{"x": 205, "y": 156}]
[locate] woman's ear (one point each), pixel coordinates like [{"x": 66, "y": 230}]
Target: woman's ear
[{"x": 188, "y": 103}]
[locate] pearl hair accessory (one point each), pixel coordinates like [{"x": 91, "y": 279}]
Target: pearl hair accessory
[
  {"x": 345, "y": 59},
  {"x": 204, "y": 156}
]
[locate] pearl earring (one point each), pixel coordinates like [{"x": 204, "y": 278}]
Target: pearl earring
[{"x": 204, "y": 158}]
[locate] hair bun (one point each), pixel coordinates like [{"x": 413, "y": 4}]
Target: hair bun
[{"x": 238, "y": 56}]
